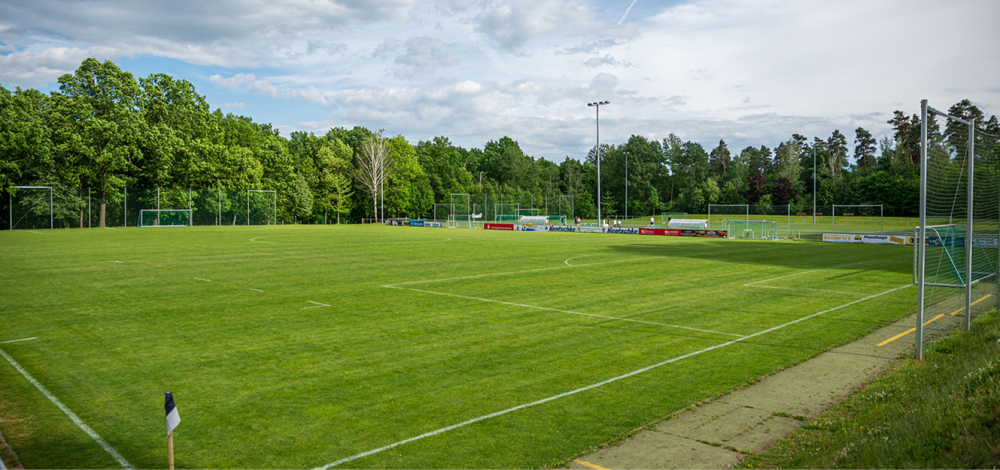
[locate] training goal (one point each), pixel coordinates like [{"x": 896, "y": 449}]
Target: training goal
[
  {"x": 664, "y": 216},
  {"x": 751, "y": 229},
  {"x": 165, "y": 218}
]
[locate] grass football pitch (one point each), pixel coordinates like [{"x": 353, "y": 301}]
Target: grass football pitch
[{"x": 400, "y": 347}]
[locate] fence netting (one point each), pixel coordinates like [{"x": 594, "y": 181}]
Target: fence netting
[{"x": 962, "y": 228}]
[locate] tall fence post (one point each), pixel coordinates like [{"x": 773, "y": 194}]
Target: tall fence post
[
  {"x": 918, "y": 346},
  {"x": 970, "y": 232}
]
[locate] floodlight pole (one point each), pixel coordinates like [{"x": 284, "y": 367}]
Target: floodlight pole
[
  {"x": 597, "y": 105},
  {"x": 626, "y": 186},
  {"x": 814, "y": 183}
]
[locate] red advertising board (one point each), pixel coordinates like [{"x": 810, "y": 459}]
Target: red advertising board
[
  {"x": 659, "y": 231},
  {"x": 498, "y": 226}
]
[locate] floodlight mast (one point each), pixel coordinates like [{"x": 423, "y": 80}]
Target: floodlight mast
[{"x": 598, "y": 104}]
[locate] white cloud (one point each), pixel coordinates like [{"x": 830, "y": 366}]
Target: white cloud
[
  {"x": 234, "y": 105},
  {"x": 475, "y": 70},
  {"x": 35, "y": 69}
]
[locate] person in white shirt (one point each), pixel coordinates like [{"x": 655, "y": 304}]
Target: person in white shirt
[{"x": 652, "y": 221}]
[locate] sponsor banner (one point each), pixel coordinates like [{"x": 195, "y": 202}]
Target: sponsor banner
[
  {"x": 704, "y": 233},
  {"x": 958, "y": 241},
  {"x": 660, "y": 231},
  {"x": 838, "y": 238},
  {"x": 416, "y": 223},
  {"x": 869, "y": 239},
  {"x": 499, "y": 227},
  {"x": 561, "y": 228},
  {"x": 625, "y": 230},
  {"x": 591, "y": 230},
  {"x": 534, "y": 228}
]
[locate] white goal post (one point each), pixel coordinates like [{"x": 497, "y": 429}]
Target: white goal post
[{"x": 165, "y": 218}]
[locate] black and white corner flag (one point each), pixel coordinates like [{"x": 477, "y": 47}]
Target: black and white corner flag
[{"x": 173, "y": 419}]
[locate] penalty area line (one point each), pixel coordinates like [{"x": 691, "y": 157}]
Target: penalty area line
[
  {"x": 17, "y": 340},
  {"x": 76, "y": 419},
  {"x": 599, "y": 384},
  {"x": 317, "y": 305}
]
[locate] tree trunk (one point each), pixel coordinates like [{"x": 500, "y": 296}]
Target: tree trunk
[
  {"x": 338, "y": 218},
  {"x": 104, "y": 206},
  {"x": 81, "y": 218}
]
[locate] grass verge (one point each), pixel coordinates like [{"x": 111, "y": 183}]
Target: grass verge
[{"x": 943, "y": 412}]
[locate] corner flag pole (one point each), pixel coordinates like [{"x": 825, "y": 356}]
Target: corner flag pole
[{"x": 173, "y": 419}]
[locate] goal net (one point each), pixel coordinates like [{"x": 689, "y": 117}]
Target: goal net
[
  {"x": 505, "y": 212},
  {"x": 164, "y": 217},
  {"x": 752, "y": 229},
  {"x": 956, "y": 249},
  {"x": 719, "y": 214},
  {"x": 665, "y": 216},
  {"x": 31, "y": 207},
  {"x": 857, "y": 218}
]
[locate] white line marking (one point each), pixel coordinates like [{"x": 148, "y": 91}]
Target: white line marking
[
  {"x": 575, "y": 257},
  {"x": 16, "y": 340},
  {"x": 806, "y": 288},
  {"x": 256, "y": 290},
  {"x": 200, "y": 279},
  {"x": 565, "y": 311},
  {"x": 665, "y": 258},
  {"x": 147, "y": 268},
  {"x": 76, "y": 419},
  {"x": 254, "y": 240},
  {"x": 805, "y": 272},
  {"x": 583, "y": 389},
  {"x": 32, "y": 231},
  {"x": 318, "y": 305}
]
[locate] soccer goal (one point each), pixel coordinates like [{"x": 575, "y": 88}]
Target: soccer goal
[
  {"x": 720, "y": 214},
  {"x": 506, "y": 212},
  {"x": 751, "y": 229},
  {"x": 664, "y": 216},
  {"x": 165, "y": 217},
  {"x": 957, "y": 242},
  {"x": 32, "y": 208}
]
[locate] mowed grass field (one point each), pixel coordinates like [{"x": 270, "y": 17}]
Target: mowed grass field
[{"x": 400, "y": 347}]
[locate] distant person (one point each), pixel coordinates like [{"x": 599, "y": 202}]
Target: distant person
[{"x": 652, "y": 221}]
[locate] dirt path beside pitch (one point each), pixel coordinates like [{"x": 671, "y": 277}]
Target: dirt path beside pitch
[{"x": 713, "y": 434}]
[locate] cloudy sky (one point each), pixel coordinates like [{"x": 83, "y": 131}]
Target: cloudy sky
[{"x": 751, "y": 73}]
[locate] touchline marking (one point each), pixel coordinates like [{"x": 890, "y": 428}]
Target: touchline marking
[
  {"x": 16, "y": 340},
  {"x": 318, "y": 305},
  {"x": 911, "y": 330},
  {"x": 589, "y": 387},
  {"x": 565, "y": 311},
  {"x": 76, "y": 419},
  {"x": 254, "y": 240},
  {"x": 256, "y": 290},
  {"x": 200, "y": 279}
]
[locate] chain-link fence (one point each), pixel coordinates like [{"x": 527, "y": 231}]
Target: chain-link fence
[{"x": 43, "y": 207}]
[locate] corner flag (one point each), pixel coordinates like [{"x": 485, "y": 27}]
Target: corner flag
[{"x": 173, "y": 419}]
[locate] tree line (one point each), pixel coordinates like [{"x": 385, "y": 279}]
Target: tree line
[{"x": 106, "y": 130}]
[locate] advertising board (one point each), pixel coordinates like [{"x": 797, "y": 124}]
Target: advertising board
[
  {"x": 870, "y": 239},
  {"x": 562, "y": 228},
  {"x": 625, "y": 230},
  {"x": 659, "y": 231},
  {"x": 499, "y": 226},
  {"x": 704, "y": 233},
  {"x": 533, "y": 228}
]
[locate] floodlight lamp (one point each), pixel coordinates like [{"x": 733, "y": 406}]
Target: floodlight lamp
[{"x": 590, "y": 104}]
